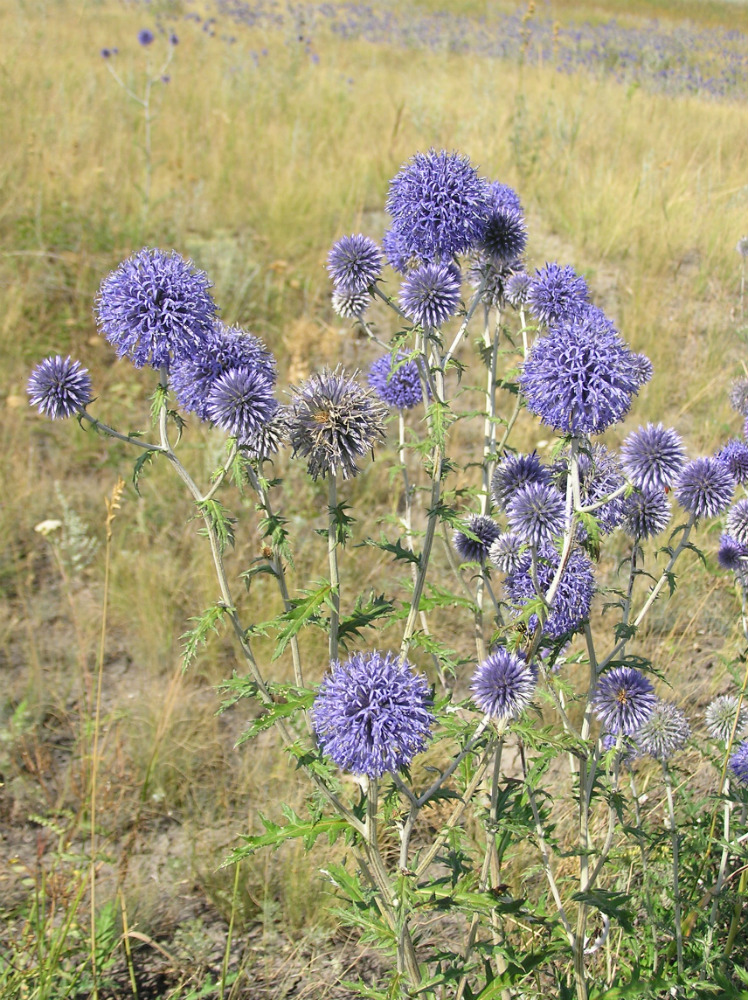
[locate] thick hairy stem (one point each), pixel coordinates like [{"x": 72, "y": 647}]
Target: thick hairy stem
[{"x": 332, "y": 555}]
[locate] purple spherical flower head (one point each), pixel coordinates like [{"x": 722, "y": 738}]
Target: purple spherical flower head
[
  {"x": 737, "y": 522},
  {"x": 573, "y": 599},
  {"x": 489, "y": 275},
  {"x": 155, "y": 307},
  {"x": 355, "y": 263},
  {"x": 600, "y": 476},
  {"x": 646, "y": 514},
  {"x": 705, "y": 487},
  {"x": 373, "y": 714},
  {"x": 557, "y": 294},
  {"x": 735, "y": 456},
  {"x": 335, "y": 421},
  {"x": 173, "y": 39},
  {"x": 742, "y": 246},
  {"x": 397, "y": 256},
  {"x": 581, "y": 377},
  {"x": 505, "y": 237},
  {"x": 665, "y": 731},
  {"x": 536, "y": 513},
  {"x": 268, "y": 439},
  {"x": 739, "y": 762},
  {"x": 350, "y": 305},
  {"x": 241, "y": 401},
  {"x": 503, "y": 198},
  {"x": 486, "y": 531},
  {"x": 193, "y": 376},
  {"x": 739, "y": 396},
  {"x": 506, "y": 552},
  {"x": 720, "y": 717},
  {"x": 106, "y": 53},
  {"x": 60, "y": 387},
  {"x": 145, "y": 37},
  {"x": 503, "y": 684},
  {"x": 400, "y": 386},
  {"x": 624, "y": 700},
  {"x": 430, "y": 294},
  {"x": 439, "y": 206},
  {"x": 515, "y": 471},
  {"x": 653, "y": 456},
  {"x": 517, "y": 289},
  {"x": 731, "y": 554}
]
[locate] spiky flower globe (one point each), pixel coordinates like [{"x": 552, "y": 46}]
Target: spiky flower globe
[
  {"x": 430, "y": 295},
  {"x": 373, "y": 714},
  {"x": 193, "y": 377},
  {"x": 735, "y": 456},
  {"x": 60, "y": 387},
  {"x": 505, "y": 237},
  {"x": 581, "y": 377},
  {"x": 439, "y": 207},
  {"x": 398, "y": 384},
  {"x": 646, "y": 514},
  {"x": 241, "y": 401},
  {"x": 601, "y": 477},
  {"x": 503, "y": 198},
  {"x": 536, "y": 513},
  {"x": 624, "y": 700},
  {"x": 490, "y": 276},
  {"x": 350, "y": 305},
  {"x": 503, "y": 684},
  {"x": 739, "y": 396},
  {"x": 333, "y": 422},
  {"x": 665, "y": 731},
  {"x": 505, "y": 552},
  {"x": 154, "y": 307},
  {"x": 515, "y": 471},
  {"x": 731, "y": 554},
  {"x": 705, "y": 487},
  {"x": 573, "y": 599},
  {"x": 269, "y": 438},
  {"x": 739, "y": 762},
  {"x": 653, "y": 456},
  {"x": 557, "y": 294},
  {"x": 737, "y": 522},
  {"x": 517, "y": 289},
  {"x": 485, "y": 530},
  {"x": 398, "y": 257},
  {"x": 721, "y": 715},
  {"x": 355, "y": 263}
]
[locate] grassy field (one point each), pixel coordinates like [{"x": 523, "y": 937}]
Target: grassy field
[{"x": 264, "y": 150}]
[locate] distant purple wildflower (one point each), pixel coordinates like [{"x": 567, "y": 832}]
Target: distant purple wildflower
[
  {"x": 106, "y": 53},
  {"x": 720, "y": 717},
  {"x": 430, "y": 294},
  {"x": 486, "y": 531},
  {"x": 334, "y": 421},
  {"x": 224, "y": 348},
  {"x": 536, "y": 513},
  {"x": 145, "y": 37},
  {"x": 731, "y": 554},
  {"x": 60, "y": 387},
  {"x": 646, "y": 514},
  {"x": 372, "y": 714},
  {"x": 355, "y": 263},
  {"x": 241, "y": 401},
  {"x": 665, "y": 731},
  {"x": 624, "y": 700},
  {"x": 557, "y": 294},
  {"x": 154, "y": 306},
  {"x": 439, "y": 206},
  {"x": 503, "y": 684},
  {"x": 400, "y": 386},
  {"x": 515, "y": 471},
  {"x": 173, "y": 39},
  {"x": 653, "y": 456},
  {"x": 735, "y": 456},
  {"x": 628, "y": 751},
  {"x": 739, "y": 762},
  {"x": 705, "y": 487},
  {"x": 581, "y": 377}
]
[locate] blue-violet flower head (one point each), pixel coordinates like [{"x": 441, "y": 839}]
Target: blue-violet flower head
[
  {"x": 517, "y": 288},
  {"x": 739, "y": 762},
  {"x": 735, "y": 456},
  {"x": 355, "y": 263},
  {"x": 505, "y": 236},
  {"x": 536, "y": 513},
  {"x": 145, "y": 37},
  {"x": 646, "y": 514},
  {"x": 737, "y": 522},
  {"x": 506, "y": 552},
  {"x": 665, "y": 731},
  {"x": 503, "y": 684},
  {"x": 624, "y": 700},
  {"x": 486, "y": 531},
  {"x": 398, "y": 386},
  {"x": 721, "y": 715},
  {"x": 573, "y": 599},
  {"x": 557, "y": 294},
  {"x": 731, "y": 554},
  {"x": 705, "y": 487},
  {"x": 350, "y": 305},
  {"x": 515, "y": 471},
  {"x": 653, "y": 456},
  {"x": 430, "y": 294},
  {"x": 60, "y": 387},
  {"x": 241, "y": 401}
]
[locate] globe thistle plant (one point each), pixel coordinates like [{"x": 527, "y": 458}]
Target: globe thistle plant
[
  {"x": 665, "y": 731},
  {"x": 581, "y": 377},
  {"x": 503, "y": 685},
  {"x": 646, "y": 514},
  {"x": 737, "y": 522},
  {"x": 738, "y": 762},
  {"x": 557, "y": 294},
  {"x": 720, "y": 718},
  {"x": 517, "y": 289},
  {"x": 355, "y": 263},
  {"x": 515, "y": 471},
  {"x": 536, "y": 513},
  {"x": 742, "y": 246},
  {"x": 503, "y": 198},
  {"x": 59, "y": 387},
  {"x": 241, "y": 401},
  {"x": 505, "y": 236},
  {"x": 624, "y": 700},
  {"x": 705, "y": 487},
  {"x": 268, "y": 439},
  {"x": 485, "y": 530},
  {"x": 350, "y": 305},
  {"x": 395, "y": 252},
  {"x": 600, "y": 476},
  {"x": 155, "y": 307},
  {"x": 506, "y": 551},
  {"x": 739, "y": 396},
  {"x": 439, "y": 207},
  {"x": 193, "y": 376},
  {"x": 735, "y": 456},
  {"x": 430, "y": 295},
  {"x": 400, "y": 385},
  {"x": 372, "y": 714},
  {"x": 573, "y": 598},
  {"x": 731, "y": 554},
  {"x": 333, "y": 422},
  {"x": 653, "y": 457},
  {"x": 490, "y": 276}
]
